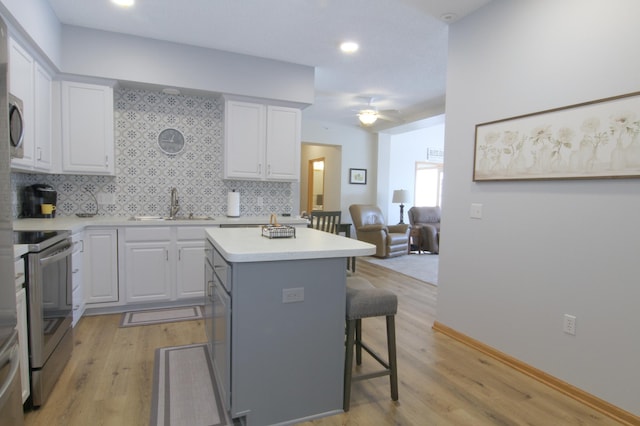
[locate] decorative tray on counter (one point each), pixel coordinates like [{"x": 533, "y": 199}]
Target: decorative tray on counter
[{"x": 275, "y": 230}]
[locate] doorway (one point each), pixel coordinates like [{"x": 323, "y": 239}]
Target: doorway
[
  {"x": 315, "y": 190},
  {"x": 331, "y": 177}
]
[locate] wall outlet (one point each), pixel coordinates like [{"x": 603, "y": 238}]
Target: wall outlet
[
  {"x": 569, "y": 324},
  {"x": 105, "y": 198},
  {"x": 292, "y": 295}
]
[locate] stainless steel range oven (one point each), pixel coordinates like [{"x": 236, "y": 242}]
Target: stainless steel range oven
[{"x": 49, "y": 307}]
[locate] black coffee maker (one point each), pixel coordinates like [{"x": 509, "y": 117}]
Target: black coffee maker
[{"x": 35, "y": 196}]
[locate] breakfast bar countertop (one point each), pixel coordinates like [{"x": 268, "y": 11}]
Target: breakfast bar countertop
[{"x": 248, "y": 245}]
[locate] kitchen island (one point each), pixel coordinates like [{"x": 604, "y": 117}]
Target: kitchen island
[{"x": 275, "y": 322}]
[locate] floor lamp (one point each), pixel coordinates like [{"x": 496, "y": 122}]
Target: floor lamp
[{"x": 401, "y": 196}]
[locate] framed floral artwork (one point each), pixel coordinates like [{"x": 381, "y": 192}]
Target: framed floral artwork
[
  {"x": 358, "y": 176},
  {"x": 597, "y": 139}
]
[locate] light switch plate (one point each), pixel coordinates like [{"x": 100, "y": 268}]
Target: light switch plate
[{"x": 476, "y": 211}]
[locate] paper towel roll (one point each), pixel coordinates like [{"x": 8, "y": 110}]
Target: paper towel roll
[{"x": 233, "y": 204}]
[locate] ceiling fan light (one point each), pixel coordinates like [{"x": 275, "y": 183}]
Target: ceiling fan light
[
  {"x": 368, "y": 117},
  {"x": 123, "y": 3}
]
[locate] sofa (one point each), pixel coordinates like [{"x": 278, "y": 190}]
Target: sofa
[
  {"x": 427, "y": 221},
  {"x": 370, "y": 227}
]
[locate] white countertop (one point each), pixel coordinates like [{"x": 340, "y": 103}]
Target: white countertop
[
  {"x": 76, "y": 224},
  {"x": 248, "y": 245},
  {"x": 19, "y": 250}
]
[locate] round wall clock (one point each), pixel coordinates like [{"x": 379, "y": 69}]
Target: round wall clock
[{"x": 171, "y": 141}]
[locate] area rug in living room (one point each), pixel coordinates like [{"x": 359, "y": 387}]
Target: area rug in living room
[
  {"x": 184, "y": 389},
  {"x": 157, "y": 316},
  {"x": 423, "y": 267}
]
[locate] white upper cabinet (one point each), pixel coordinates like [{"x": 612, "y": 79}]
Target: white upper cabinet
[
  {"x": 283, "y": 143},
  {"x": 30, "y": 82},
  {"x": 21, "y": 84},
  {"x": 88, "y": 145},
  {"x": 262, "y": 142},
  {"x": 43, "y": 159}
]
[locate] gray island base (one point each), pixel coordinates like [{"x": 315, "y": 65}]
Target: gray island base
[{"x": 275, "y": 322}]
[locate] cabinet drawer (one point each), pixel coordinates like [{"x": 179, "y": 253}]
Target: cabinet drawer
[
  {"x": 190, "y": 233},
  {"x": 148, "y": 233},
  {"x": 19, "y": 272},
  {"x": 222, "y": 269}
]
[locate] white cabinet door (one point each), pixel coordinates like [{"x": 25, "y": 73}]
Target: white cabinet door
[
  {"x": 261, "y": 142},
  {"x": 77, "y": 259},
  {"x": 283, "y": 143},
  {"x": 100, "y": 271},
  {"x": 244, "y": 140},
  {"x": 88, "y": 145},
  {"x": 147, "y": 271},
  {"x": 190, "y": 269},
  {"x": 43, "y": 122},
  {"x": 21, "y": 84},
  {"x": 21, "y": 306}
]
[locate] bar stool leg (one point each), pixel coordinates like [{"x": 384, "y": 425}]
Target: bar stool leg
[
  {"x": 393, "y": 365},
  {"x": 348, "y": 364},
  {"x": 359, "y": 341}
]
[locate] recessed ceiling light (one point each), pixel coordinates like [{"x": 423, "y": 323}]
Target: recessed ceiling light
[
  {"x": 349, "y": 47},
  {"x": 123, "y": 3}
]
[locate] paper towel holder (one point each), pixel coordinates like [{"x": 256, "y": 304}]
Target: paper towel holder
[{"x": 233, "y": 204}]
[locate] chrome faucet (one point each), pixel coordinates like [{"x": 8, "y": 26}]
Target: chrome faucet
[{"x": 175, "y": 206}]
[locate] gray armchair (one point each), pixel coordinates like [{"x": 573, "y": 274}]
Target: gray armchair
[
  {"x": 427, "y": 221},
  {"x": 370, "y": 226}
]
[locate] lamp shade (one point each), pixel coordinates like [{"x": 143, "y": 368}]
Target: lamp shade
[{"x": 400, "y": 196}]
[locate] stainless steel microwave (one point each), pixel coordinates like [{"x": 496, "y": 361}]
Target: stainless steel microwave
[{"x": 16, "y": 127}]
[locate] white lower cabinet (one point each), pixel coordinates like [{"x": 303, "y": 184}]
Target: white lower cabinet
[
  {"x": 21, "y": 305},
  {"x": 190, "y": 262},
  {"x": 147, "y": 267},
  {"x": 77, "y": 259},
  {"x": 162, "y": 263},
  {"x": 100, "y": 262}
]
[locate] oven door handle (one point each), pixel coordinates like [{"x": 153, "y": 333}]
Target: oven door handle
[{"x": 55, "y": 257}]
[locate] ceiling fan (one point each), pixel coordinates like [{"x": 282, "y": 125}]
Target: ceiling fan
[{"x": 369, "y": 115}]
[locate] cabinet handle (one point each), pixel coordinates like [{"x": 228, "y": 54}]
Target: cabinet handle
[
  {"x": 19, "y": 275},
  {"x": 78, "y": 243},
  {"x": 179, "y": 254},
  {"x": 259, "y": 168},
  {"x": 106, "y": 161},
  {"x": 268, "y": 169},
  {"x": 75, "y": 271},
  {"x": 39, "y": 153},
  {"x": 166, "y": 253}
]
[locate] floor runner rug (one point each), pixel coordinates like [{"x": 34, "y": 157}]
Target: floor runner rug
[
  {"x": 184, "y": 389},
  {"x": 156, "y": 316}
]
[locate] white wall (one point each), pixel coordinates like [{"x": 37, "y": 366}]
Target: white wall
[
  {"x": 543, "y": 248},
  {"x": 398, "y": 164},
  {"x": 33, "y": 21},
  {"x": 136, "y": 59},
  {"x": 359, "y": 150}
]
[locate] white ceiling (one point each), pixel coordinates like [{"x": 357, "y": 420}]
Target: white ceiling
[{"x": 401, "y": 63}]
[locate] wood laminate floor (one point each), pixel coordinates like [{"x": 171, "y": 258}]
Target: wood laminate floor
[{"x": 442, "y": 382}]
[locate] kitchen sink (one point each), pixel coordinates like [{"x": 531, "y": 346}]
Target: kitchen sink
[
  {"x": 146, "y": 218},
  {"x": 160, "y": 218}
]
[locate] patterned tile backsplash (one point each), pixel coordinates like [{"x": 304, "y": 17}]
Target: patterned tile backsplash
[{"x": 145, "y": 174}]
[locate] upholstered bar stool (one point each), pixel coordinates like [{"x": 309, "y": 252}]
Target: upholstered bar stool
[{"x": 366, "y": 301}]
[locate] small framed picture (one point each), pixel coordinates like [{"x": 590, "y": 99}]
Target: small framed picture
[{"x": 358, "y": 176}]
